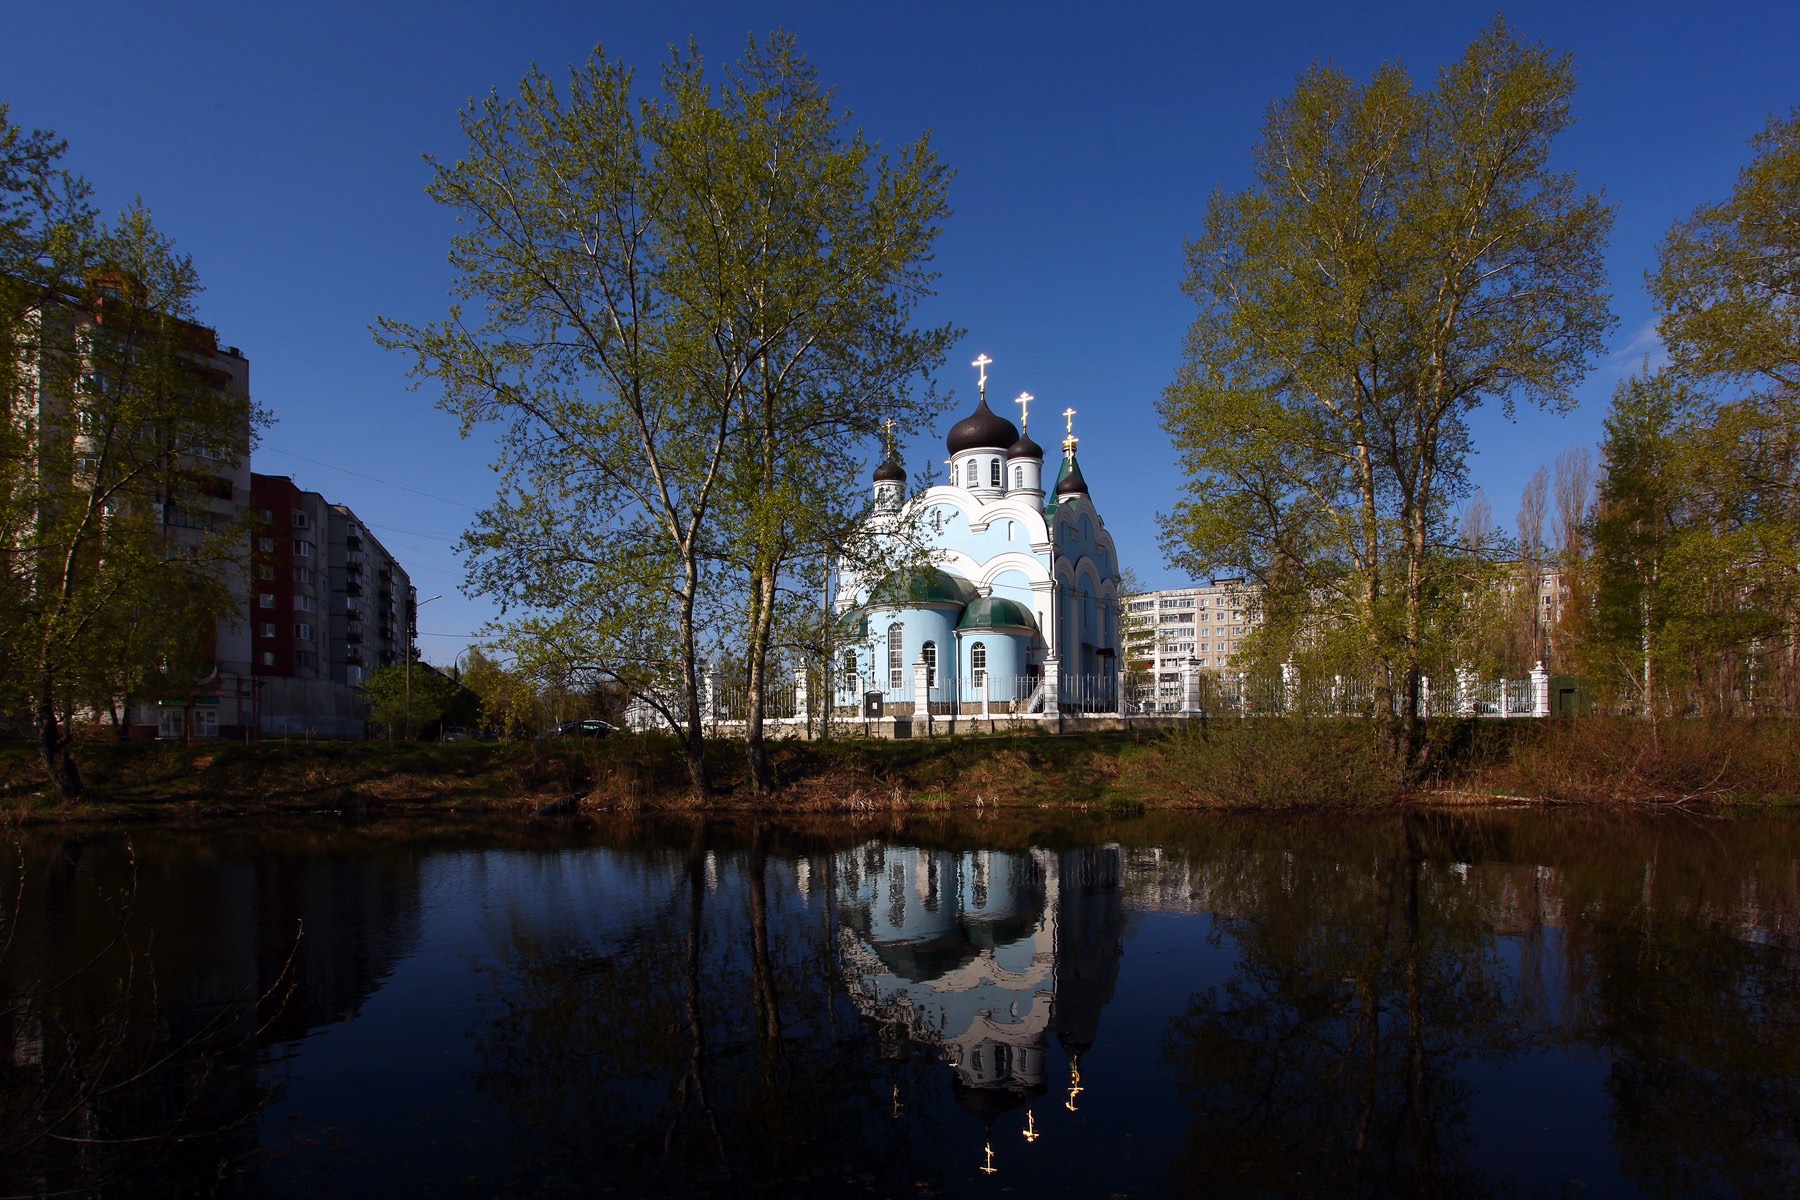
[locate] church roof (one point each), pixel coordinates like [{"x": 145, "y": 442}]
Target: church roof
[
  {"x": 890, "y": 472},
  {"x": 995, "y": 612},
  {"x": 1070, "y": 482},
  {"x": 1025, "y": 448},
  {"x": 982, "y": 429},
  {"x": 926, "y": 586}
]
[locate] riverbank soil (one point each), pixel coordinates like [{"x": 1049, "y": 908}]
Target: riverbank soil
[{"x": 1235, "y": 764}]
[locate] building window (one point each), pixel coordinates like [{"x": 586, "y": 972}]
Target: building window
[
  {"x": 302, "y": 549},
  {"x": 303, "y": 575},
  {"x": 896, "y": 657},
  {"x": 266, "y": 571},
  {"x": 303, "y": 604},
  {"x": 266, "y": 545},
  {"x": 267, "y": 629},
  {"x": 929, "y": 654},
  {"x": 265, "y": 600},
  {"x": 268, "y": 658},
  {"x": 971, "y": 475},
  {"x": 302, "y": 521},
  {"x": 303, "y": 632},
  {"x": 994, "y": 473},
  {"x": 978, "y": 664},
  {"x": 849, "y": 670},
  {"x": 304, "y": 658}
]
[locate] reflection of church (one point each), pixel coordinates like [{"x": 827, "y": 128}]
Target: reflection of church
[{"x": 982, "y": 955}]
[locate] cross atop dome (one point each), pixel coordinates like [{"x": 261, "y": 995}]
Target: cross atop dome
[{"x": 982, "y": 363}]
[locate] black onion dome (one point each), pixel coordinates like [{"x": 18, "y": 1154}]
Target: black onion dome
[
  {"x": 890, "y": 472},
  {"x": 1025, "y": 448},
  {"x": 1071, "y": 483},
  {"x": 983, "y": 429}
]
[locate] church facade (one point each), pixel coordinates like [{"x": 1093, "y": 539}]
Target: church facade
[{"x": 1018, "y": 608}]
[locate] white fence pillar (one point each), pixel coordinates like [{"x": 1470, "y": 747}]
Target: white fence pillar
[
  {"x": 709, "y": 690},
  {"x": 1290, "y": 686},
  {"x": 922, "y": 694},
  {"x": 1243, "y": 694},
  {"x": 1465, "y": 692},
  {"x": 1052, "y": 687},
  {"x": 1425, "y": 694},
  {"x": 801, "y": 712},
  {"x": 1190, "y": 685},
  {"x": 1540, "y": 691}
]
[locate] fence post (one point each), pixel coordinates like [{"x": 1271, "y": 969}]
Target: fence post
[
  {"x": 1465, "y": 692},
  {"x": 987, "y": 690},
  {"x": 921, "y": 694},
  {"x": 1052, "y": 686},
  {"x": 1190, "y": 685},
  {"x": 1290, "y": 687},
  {"x": 710, "y": 690},
  {"x": 1424, "y": 694},
  {"x": 1540, "y": 690},
  {"x": 1243, "y": 694},
  {"x": 1505, "y": 709},
  {"x": 802, "y": 713}
]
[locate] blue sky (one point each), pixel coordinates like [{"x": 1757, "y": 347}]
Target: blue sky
[{"x": 281, "y": 146}]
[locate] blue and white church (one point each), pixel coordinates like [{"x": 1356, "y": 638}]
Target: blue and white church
[{"x": 1018, "y": 609}]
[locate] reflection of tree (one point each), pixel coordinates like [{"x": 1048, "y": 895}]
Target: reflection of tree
[
  {"x": 708, "y": 1047},
  {"x": 123, "y": 1070},
  {"x": 1697, "y": 1012},
  {"x": 1327, "y": 1063}
]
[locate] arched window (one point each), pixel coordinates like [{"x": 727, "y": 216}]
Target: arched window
[
  {"x": 929, "y": 654},
  {"x": 849, "y": 670},
  {"x": 970, "y": 475},
  {"x": 993, "y": 472},
  {"x": 978, "y": 664},
  {"x": 1018, "y": 477},
  {"x": 896, "y": 657}
]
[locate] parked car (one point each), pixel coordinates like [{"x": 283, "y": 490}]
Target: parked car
[{"x": 590, "y": 728}]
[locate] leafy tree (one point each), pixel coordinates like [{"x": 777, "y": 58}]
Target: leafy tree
[
  {"x": 105, "y": 475},
  {"x": 1403, "y": 258},
  {"x": 687, "y": 313},
  {"x": 408, "y": 701},
  {"x": 1699, "y": 530}
]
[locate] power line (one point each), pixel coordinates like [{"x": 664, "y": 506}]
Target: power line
[{"x": 371, "y": 478}]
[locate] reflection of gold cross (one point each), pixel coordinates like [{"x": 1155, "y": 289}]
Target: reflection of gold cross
[
  {"x": 1075, "y": 1088},
  {"x": 1031, "y": 1133},
  {"x": 1024, "y": 403},
  {"x": 1069, "y": 413},
  {"x": 981, "y": 363},
  {"x": 988, "y": 1167}
]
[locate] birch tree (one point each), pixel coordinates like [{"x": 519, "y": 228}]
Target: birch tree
[
  {"x": 682, "y": 316},
  {"x": 1402, "y": 258}
]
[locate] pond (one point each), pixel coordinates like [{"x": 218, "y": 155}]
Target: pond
[{"x": 1469, "y": 1004}]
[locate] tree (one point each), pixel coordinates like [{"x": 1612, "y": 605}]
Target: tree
[
  {"x": 1701, "y": 565},
  {"x": 109, "y": 457},
  {"x": 688, "y": 313},
  {"x": 1401, "y": 259},
  {"x": 399, "y": 700}
]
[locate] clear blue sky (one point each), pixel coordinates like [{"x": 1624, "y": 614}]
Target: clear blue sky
[{"x": 281, "y": 146}]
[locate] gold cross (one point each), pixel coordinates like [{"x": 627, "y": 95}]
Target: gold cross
[
  {"x": 982, "y": 363},
  {"x": 887, "y": 427},
  {"x": 1024, "y": 403},
  {"x": 1069, "y": 414}
]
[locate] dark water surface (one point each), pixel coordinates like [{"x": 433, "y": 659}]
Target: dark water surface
[{"x": 1494, "y": 1004}]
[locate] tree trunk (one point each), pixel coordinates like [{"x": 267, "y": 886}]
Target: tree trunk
[
  {"x": 694, "y": 742},
  {"x": 762, "y": 616},
  {"x": 53, "y": 746}
]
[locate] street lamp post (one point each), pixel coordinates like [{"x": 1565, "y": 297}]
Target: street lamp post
[{"x": 412, "y": 648}]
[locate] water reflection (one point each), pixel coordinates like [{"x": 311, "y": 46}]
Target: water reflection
[{"x": 1487, "y": 1004}]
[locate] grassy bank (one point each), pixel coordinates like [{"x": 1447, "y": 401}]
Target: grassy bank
[{"x": 1258, "y": 764}]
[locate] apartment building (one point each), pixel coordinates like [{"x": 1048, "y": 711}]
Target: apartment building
[
  {"x": 1165, "y": 630},
  {"x": 328, "y": 608}
]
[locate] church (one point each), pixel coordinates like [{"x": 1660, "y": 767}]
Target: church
[{"x": 1017, "y": 609}]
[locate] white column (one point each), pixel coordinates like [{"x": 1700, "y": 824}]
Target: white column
[
  {"x": 1504, "y": 711},
  {"x": 1465, "y": 692},
  {"x": 1290, "y": 686},
  {"x": 1190, "y": 685},
  {"x": 1425, "y": 695},
  {"x": 1052, "y": 687},
  {"x": 921, "y": 693},
  {"x": 1243, "y": 694},
  {"x": 709, "y": 696},
  {"x": 1540, "y": 691},
  {"x": 800, "y": 697}
]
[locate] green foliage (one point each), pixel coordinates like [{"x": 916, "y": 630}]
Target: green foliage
[
  {"x": 1403, "y": 258},
  {"x": 683, "y": 315},
  {"x": 405, "y": 702},
  {"x": 1698, "y": 529},
  {"x": 113, "y": 570}
]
